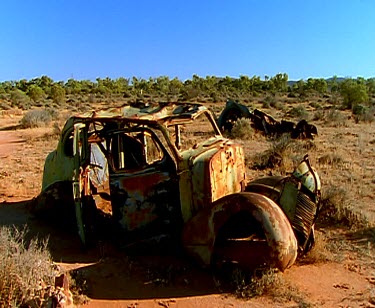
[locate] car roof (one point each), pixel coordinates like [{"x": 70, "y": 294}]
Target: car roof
[{"x": 151, "y": 112}]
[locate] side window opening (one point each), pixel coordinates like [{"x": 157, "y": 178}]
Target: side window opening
[
  {"x": 192, "y": 133},
  {"x": 153, "y": 151},
  {"x": 68, "y": 144},
  {"x": 134, "y": 150}
]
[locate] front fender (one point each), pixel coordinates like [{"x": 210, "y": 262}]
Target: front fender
[{"x": 258, "y": 214}]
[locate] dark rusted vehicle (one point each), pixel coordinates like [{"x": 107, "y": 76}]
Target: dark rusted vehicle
[
  {"x": 166, "y": 169},
  {"x": 263, "y": 122}
]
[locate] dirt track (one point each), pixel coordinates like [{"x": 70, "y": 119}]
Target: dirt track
[
  {"x": 115, "y": 279},
  {"x": 10, "y": 141}
]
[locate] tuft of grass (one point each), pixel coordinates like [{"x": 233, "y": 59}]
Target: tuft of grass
[
  {"x": 363, "y": 114},
  {"x": 335, "y": 118},
  {"x": 242, "y": 129},
  {"x": 269, "y": 283},
  {"x": 26, "y": 271},
  {"x": 332, "y": 159},
  {"x": 319, "y": 253},
  {"x": 299, "y": 112},
  {"x": 338, "y": 209},
  {"x": 277, "y": 156},
  {"x": 4, "y": 106},
  {"x": 318, "y": 115},
  {"x": 36, "y": 118}
]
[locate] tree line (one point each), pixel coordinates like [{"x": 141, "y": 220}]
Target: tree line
[{"x": 24, "y": 93}]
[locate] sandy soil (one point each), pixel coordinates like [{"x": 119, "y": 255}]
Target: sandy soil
[{"x": 115, "y": 278}]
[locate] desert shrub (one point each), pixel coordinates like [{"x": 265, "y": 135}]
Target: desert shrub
[
  {"x": 58, "y": 94},
  {"x": 35, "y": 93},
  {"x": 318, "y": 115},
  {"x": 316, "y": 105},
  {"x": 363, "y": 113},
  {"x": 36, "y": 118},
  {"x": 277, "y": 105},
  {"x": 55, "y": 114},
  {"x": 26, "y": 269},
  {"x": 270, "y": 283},
  {"x": 242, "y": 129},
  {"x": 335, "y": 118},
  {"x": 299, "y": 112},
  {"x": 359, "y": 109},
  {"x": 266, "y": 105},
  {"x": 353, "y": 93},
  {"x": 331, "y": 158},
  {"x": 275, "y": 156},
  {"x": 20, "y": 99},
  {"x": 269, "y": 100},
  {"x": 4, "y": 106},
  {"x": 337, "y": 208}
]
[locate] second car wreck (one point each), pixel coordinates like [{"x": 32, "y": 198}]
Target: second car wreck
[
  {"x": 265, "y": 123},
  {"x": 166, "y": 169}
]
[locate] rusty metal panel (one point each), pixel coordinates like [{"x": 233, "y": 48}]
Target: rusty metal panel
[
  {"x": 200, "y": 233},
  {"x": 140, "y": 199},
  {"x": 216, "y": 169},
  {"x": 227, "y": 171}
]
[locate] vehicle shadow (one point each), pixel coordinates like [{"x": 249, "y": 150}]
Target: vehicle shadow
[
  {"x": 108, "y": 271},
  {"x": 145, "y": 277}
]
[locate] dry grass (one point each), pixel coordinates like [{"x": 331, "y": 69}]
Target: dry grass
[
  {"x": 282, "y": 155},
  {"x": 242, "y": 129},
  {"x": 26, "y": 270},
  {"x": 336, "y": 118},
  {"x": 337, "y": 208},
  {"x": 320, "y": 253},
  {"x": 36, "y": 118},
  {"x": 270, "y": 283}
]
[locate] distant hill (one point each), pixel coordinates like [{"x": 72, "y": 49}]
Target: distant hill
[{"x": 338, "y": 79}]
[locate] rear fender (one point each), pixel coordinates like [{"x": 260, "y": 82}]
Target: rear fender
[{"x": 201, "y": 232}]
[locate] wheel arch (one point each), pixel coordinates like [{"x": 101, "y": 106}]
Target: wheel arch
[{"x": 201, "y": 232}]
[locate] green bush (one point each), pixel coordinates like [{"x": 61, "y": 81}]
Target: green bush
[
  {"x": 26, "y": 270},
  {"x": 19, "y": 99},
  {"x": 35, "y": 93},
  {"x": 359, "y": 109},
  {"x": 353, "y": 93},
  {"x": 36, "y": 118}
]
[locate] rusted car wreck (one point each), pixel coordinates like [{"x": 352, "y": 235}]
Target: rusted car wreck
[
  {"x": 166, "y": 169},
  {"x": 265, "y": 123}
]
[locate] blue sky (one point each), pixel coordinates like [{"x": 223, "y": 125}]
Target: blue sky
[{"x": 88, "y": 39}]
